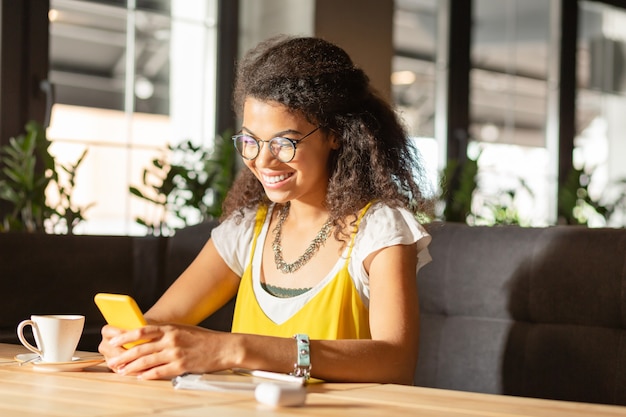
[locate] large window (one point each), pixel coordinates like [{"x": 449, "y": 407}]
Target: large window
[
  {"x": 130, "y": 78},
  {"x": 508, "y": 100},
  {"x": 414, "y": 77},
  {"x": 508, "y": 111},
  {"x": 600, "y": 144}
]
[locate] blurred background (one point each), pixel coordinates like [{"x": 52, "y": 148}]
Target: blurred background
[{"x": 530, "y": 94}]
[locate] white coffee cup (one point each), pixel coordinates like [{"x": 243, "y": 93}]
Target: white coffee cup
[{"x": 56, "y": 336}]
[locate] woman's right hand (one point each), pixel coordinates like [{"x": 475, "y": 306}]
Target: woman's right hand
[{"x": 167, "y": 350}]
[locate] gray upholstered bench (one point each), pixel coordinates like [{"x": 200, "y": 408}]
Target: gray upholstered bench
[{"x": 538, "y": 312}]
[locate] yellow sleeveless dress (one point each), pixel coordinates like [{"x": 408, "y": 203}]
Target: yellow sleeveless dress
[{"x": 335, "y": 312}]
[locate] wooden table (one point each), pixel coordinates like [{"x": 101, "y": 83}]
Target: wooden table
[{"x": 95, "y": 391}]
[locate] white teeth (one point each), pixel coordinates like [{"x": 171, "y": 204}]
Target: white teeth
[{"x": 275, "y": 178}]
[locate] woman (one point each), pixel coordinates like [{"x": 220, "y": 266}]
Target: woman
[{"x": 318, "y": 238}]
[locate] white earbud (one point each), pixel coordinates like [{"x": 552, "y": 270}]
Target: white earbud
[{"x": 280, "y": 395}]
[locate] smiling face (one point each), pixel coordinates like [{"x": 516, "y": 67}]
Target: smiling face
[{"x": 305, "y": 177}]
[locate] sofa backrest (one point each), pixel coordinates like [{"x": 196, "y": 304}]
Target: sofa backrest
[
  {"x": 181, "y": 249},
  {"x": 60, "y": 274},
  {"x": 538, "y": 312}
]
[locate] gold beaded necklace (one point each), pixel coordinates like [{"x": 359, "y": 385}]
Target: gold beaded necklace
[{"x": 318, "y": 241}]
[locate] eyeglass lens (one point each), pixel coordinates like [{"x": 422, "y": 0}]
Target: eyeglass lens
[{"x": 249, "y": 148}]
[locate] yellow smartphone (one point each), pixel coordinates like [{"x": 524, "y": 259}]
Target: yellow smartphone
[{"x": 121, "y": 311}]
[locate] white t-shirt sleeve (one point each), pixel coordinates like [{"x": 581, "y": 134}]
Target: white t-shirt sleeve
[
  {"x": 381, "y": 227},
  {"x": 233, "y": 241},
  {"x": 384, "y": 226}
]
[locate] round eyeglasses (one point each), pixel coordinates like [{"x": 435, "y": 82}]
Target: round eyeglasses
[{"x": 283, "y": 149}]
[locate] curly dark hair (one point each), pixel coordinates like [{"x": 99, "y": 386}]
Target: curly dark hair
[{"x": 317, "y": 79}]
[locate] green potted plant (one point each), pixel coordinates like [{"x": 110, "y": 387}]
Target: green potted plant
[
  {"x": 23, "y": 183},
  {"x": 188, "y": 182},
  {"x": 28, "y": 170},
  {"x": 458, "y": 186},
  {"x": 577, "y": 206}
]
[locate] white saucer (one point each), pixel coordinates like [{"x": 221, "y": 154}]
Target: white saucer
[{"x": 77, "y": 364}]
